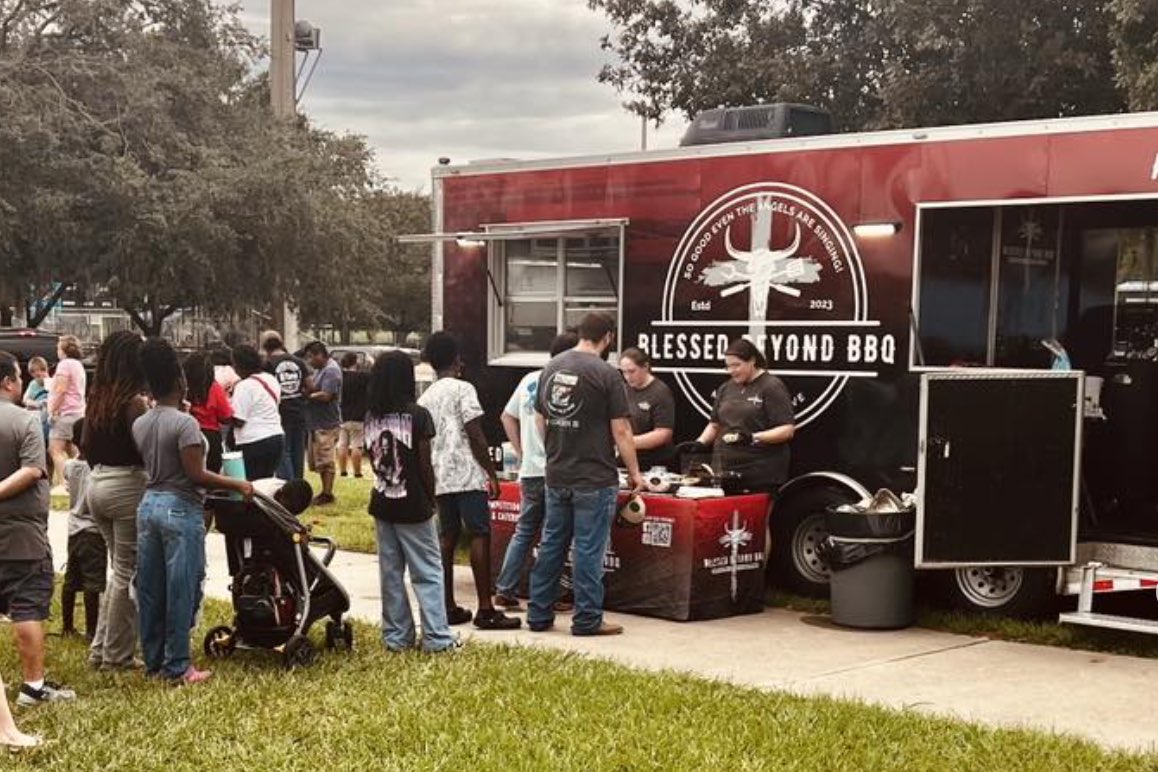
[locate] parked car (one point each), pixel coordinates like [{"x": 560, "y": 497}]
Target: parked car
[
  {"x": 26, "y": 342},
  {"x": 367, "y": 354}
]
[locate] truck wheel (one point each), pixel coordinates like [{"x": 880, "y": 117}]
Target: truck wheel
[
  {"x": 1007, "y": 591},
  {"x": 795, "y": 531}
]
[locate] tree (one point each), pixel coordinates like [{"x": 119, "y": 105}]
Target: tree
[
  {"x": 138, "y": 155},
  {"x": 1134, "y": 32},
  {"x": 872, "y": 63}
]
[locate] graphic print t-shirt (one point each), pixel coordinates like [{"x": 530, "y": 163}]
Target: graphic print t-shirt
[
  {"x": 579, "y": 395},
  {"x": 290, "y": 373},
  {"x": 453, "y": 404},
  {"x": 392, "y": 444}
]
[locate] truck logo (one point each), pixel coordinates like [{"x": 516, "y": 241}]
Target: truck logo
[
  {"x": 774, "y": 263},
  {"x": 762, "y": 269}
]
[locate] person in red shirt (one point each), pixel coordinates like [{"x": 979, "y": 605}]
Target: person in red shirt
[{"x": 209, "y": 404}]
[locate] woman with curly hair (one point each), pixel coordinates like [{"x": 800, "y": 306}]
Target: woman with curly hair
[{"x": 116, "y": 485}]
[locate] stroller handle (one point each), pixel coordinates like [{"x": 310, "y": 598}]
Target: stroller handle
[{"x": 331, "y": 547}]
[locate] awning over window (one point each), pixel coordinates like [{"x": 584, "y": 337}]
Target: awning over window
[{"x": 513, "y": 231}]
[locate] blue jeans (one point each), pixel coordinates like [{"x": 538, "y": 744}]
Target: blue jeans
[
  {"x": 413, "y": 546},
  {"x": 293, "y": 460},
  {"x": 170, "y": 569},
  {"x": 584, "y": 515},
  {"x": 531, "y": 512}
]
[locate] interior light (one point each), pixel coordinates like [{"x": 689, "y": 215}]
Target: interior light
[
  {"x": 469, "y": 243},
  {"x": 876, "y": 230}
]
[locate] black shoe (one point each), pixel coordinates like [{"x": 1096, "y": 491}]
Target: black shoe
[
  {"x": 458, "y": 615},
  {"x": 541, "y": 627},
  {"x": 323, "y": 499},
  {"x": 507, "y": 602},
  {"x": 493, "y": 619}
]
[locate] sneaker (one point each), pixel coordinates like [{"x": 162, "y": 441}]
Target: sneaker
[
  {"x": 507, "y": 602},
  {"x": 604, "y": 629},
  {"x": 49, "y": 692},
  {"x": 192, "y": 676},
  {"x": 493, "y": 619},
  {"x": 455, "y": 646},
  {"x": 323, "y": 499},
  {"x": 458, "y": 615}
]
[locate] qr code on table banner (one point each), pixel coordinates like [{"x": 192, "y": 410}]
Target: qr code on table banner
[{"x": 657, "y": 533}]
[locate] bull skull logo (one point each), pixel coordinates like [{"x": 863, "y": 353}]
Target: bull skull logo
[{"x": 762, "y": 269}]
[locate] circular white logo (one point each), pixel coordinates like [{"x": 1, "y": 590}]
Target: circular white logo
[{"x": 775, "y": 264}]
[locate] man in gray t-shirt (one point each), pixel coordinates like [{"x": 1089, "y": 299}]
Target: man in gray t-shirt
[
  {"x": 26, "y": 571},
  {"x": 583, "y": 411},
  {"x": 324, "y": 417}
]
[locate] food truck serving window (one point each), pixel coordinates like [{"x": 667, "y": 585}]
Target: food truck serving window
[
  {"x": 547, "y": 285},
  {"x": 994, "y": 281}
]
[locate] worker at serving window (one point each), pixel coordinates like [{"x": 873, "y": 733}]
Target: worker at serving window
[
  {"x": 652, "y": 410},
  {"x": 751, "y": 423}
]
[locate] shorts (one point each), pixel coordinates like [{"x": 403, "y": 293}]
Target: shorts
[
  {"x": 88, "y": 562},
  {"x": 60, "y": 427},
  {"x": 469, "y": 508},
  {"x": 323, "y": 444},
  {"x": 26, "y": 588},
  {"x": 352, "y": 436}
]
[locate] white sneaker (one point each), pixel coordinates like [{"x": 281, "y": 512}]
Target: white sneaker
[{"x": 50, "y": 692}]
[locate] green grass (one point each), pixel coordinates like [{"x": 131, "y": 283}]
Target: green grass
[
  {"x": 346, "y": 521},
  {"x": 491, "y": 707}
]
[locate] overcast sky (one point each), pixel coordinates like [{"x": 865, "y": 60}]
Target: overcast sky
[{"x": 466, "y": 79}]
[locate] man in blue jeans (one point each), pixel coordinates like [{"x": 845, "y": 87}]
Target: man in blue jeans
[
  {"x": 584, "y": 415},
  {"x": 522, "y": 430}
]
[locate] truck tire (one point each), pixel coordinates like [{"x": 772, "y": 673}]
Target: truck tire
[
  {"x": 795, "y": 530},
  {"x": 1002, "y": 591}
]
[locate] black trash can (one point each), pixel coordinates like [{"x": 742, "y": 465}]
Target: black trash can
[{"x": 871, "y": 558}]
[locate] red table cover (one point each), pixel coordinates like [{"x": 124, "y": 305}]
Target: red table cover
[{"x": 688, "y": 559}]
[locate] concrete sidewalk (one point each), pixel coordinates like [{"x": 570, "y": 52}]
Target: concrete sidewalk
[{"x": 1102, "y": 697}]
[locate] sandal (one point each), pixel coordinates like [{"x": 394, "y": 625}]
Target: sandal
[{"x": 458, "y": 615}]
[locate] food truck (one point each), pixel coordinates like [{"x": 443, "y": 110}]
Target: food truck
[{"x": 967, "y": 313}]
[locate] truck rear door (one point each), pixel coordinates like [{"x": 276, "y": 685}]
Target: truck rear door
[{"x": 998, "y": 468}]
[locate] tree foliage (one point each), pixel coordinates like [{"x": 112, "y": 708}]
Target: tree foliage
[
  {"x": 885, "y": 63},
  {"x": 138, "y": 154}
]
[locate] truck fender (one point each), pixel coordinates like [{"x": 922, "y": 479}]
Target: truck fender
[{"x": 813, "y": 479}]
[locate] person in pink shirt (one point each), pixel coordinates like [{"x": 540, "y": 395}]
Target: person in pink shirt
[{"x": 66, "y": 405}]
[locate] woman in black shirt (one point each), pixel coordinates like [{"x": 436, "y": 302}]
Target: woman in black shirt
[
  {"x": 751, "y": 423},
  {"x": 652, "y": 410},
  {"x": 115, "y": 488}
]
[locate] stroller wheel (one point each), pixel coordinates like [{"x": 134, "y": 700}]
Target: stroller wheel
[
  {"x": 220, "y": 642},
  {"x": 299, "y": 652},
  {"x": 348, "y": 635},
  {"x": 339, "y": 635}
]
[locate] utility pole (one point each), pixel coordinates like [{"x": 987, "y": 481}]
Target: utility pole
[
  {"x": 283, "y": 86},
  {"x": 282, "y": 58}
]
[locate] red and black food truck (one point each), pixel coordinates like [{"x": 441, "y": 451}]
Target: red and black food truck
[{"x": 902, "y": 284}]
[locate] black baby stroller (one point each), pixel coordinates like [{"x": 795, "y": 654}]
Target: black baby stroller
[{"x": 279, "y": 586}]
